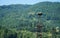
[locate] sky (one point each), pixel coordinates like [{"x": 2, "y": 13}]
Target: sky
[{"x": 8, "y": 2}]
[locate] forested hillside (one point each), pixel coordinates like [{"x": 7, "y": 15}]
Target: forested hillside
[
  {"x": 18, "y": 15},
  {"x": 24, "y": 17}
]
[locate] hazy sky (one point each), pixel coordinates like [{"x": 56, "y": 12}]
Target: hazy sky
[{"x": 7, "y": 2}]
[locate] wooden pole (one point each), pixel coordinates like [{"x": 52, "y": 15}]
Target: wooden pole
[{"x": 39, "y": 27}]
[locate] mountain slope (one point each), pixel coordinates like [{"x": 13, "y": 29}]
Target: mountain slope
[{"x": 25, "y": 16}]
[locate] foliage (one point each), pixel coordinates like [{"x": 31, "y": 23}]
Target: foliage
[{"x": 19, "y": 21}]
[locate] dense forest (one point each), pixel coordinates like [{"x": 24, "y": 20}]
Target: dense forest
[{"x": 20, "y": 21}]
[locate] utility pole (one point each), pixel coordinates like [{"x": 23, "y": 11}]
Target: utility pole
[{"x": 39, "y": 27}]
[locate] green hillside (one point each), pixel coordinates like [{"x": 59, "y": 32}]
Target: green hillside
[
  {"x": 20, "y": 21},
  {"x": 16, "y": 16}
]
